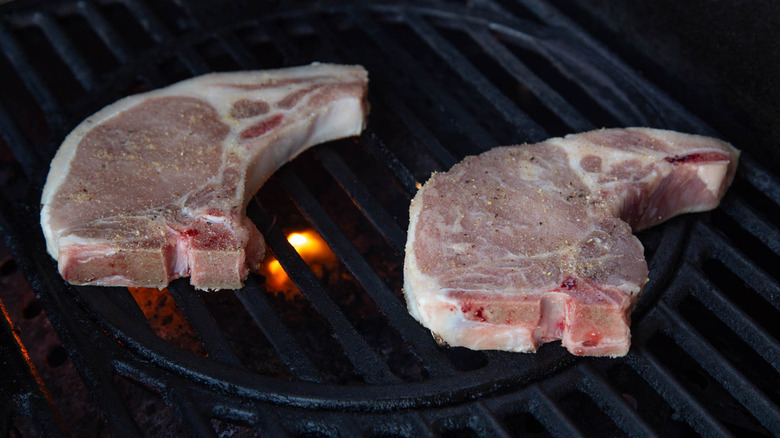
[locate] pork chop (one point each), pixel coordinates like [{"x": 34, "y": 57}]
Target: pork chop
[
  {"x": 523, "y": 245},
  {"x": 155, "y": 186}
]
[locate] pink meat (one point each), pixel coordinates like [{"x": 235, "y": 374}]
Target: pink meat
[
  {"x": 155, "y": 186},
  {"x": 523, "y": 245}
]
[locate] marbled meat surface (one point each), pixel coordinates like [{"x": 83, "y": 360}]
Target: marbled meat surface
[
  {"x": 523, "y": 245},
  {"x": 155, "y": 186}
]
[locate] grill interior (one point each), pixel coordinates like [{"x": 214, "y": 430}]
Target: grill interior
[{"x": 340, "y": 355}]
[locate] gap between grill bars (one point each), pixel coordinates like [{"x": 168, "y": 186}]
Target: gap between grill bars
[{"x": 439, "y": 82}]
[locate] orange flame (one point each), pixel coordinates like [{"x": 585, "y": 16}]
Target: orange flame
[{"x": 312, "y": 249}]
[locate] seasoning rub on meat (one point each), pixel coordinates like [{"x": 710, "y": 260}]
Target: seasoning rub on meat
[
  {"x": 154, "y": 187},
  {"x": 523, "y": 245}
]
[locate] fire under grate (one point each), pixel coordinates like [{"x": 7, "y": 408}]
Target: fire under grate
[{"x": 337, "y": 354}]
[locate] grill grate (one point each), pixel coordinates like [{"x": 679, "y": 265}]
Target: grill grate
[{"x": 344, "y": 357}]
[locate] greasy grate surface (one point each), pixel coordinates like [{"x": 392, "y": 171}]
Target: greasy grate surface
[{"x": 341, "y": 356}]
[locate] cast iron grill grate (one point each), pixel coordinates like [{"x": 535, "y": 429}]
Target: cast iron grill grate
[{"x": 343, "y": 357}]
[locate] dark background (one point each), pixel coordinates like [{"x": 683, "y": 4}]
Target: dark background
[{"x": 719, "y": 57}]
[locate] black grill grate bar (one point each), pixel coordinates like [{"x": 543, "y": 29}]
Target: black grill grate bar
[
  {"x": 66, "y": 50},
  {"x": 513, "y": 402},
  {"x": 518, "y": 70},
  {"x": 550, "y": 414},
  {"x": 460, "y": 64},
  {"x": 359, "y": 353},
  {"x": 623, "y": 76},
  {"x": 730, "y": 314},
  {"x": 87, "y": 357},
  {"x": 489, "y": 423},
  {"x": 501, "y": 360},
  {"x": 382, "y": 221},
  {"x": 759, "y": 177},
  {"x": 373, "y": 211},
  {"x": 675, "y": 394},
  {"x": 148, "y": 20},
  {"x": 389, "y": 304},
  {"x": 7, "y": 408},
  {"x": 399, "y": 56},
  {"x": 16, "y": 141},
  {"x": 276, "y": 332},
  {"x": 603, "y": 90},
  {"x": 23, "y": 392},
  {"x": 740, "y": 264},
  {"x": 121, "y": 297},
  {"x": 98, "y": 378},
  {"x": 72, "y": 326},
  {"x": 371, "y": 142},
  {"x": 154, "y": 27},
  {"x": 139, "y": 370},
  {"x": 32, "y": 81},
  {"x": 105, "y": 31},
  {"x": 214, "y": 341},
  {"x": 237, "y": 50},
  {"x": 263, "y": 419},
  {"x": 420, "y": 131},
  {"x": 193, "y": 420},
  {"x": 409, "y": 424},
  {"x": 194, "y": 62},
  {"x": 627, "y": 77},
  {"x": 752, "y": 222},
  {"x": 443, "y": 155},
  {"x": 260, "y": 417},
  {"x": 719, "y": 367},
  {"x": 611, "y": 403},
  {"x": 322, "y": 424}
]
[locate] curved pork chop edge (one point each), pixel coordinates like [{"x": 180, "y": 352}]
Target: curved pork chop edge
[
  {"x": 415, "y": 281},
  {"x": 60, "y": 164},
  {"x": 423, "y": 295}
]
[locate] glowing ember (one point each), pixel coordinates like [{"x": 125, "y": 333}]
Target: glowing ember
[
  {"x": 165, "y": 318},
  {"x": 299, "y": 241},
  {"x": 312, "y": 249}
]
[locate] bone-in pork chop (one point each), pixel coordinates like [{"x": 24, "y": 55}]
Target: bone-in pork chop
[
  {"x": 155, "y": 186},
  {"x": 523, "y": 245}
]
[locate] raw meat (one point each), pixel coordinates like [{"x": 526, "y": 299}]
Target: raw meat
[
  {"x": 523, "y": 245},
  {"x": 155, "y": 186}
]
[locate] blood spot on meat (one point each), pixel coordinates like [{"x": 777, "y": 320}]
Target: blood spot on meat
[
  {"x": 593, "y": 340},
  {"x": 697, "y": 157},
  {"x": 569, "y": 284},
  {"x": 473, "y": 312},
  {"x": 262, "y": 127},
  {"x": 189, "y": 233}
]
